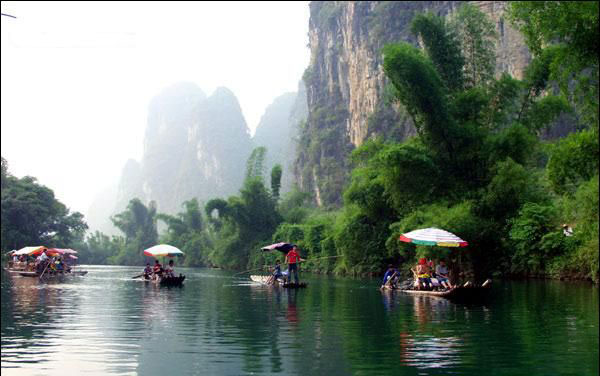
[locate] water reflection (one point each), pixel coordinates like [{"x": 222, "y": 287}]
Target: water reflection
[
  {"x": 107, "y": 323},
  {"x": 292, "y": 311}
]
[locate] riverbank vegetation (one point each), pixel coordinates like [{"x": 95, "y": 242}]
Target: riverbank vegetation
[{"x": 478, "y": 167}]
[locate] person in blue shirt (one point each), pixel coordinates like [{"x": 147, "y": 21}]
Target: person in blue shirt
[
  {"x": 392, "y": 275},
  {"x": 147, "y": 271},
  {"x": 276, "y": 272}
]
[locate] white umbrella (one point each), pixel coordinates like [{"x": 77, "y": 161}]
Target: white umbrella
[
  {"x": 433, "y": 236},
  {"x": 30, "y": 250},
  {"x": 163, "y": 250}
]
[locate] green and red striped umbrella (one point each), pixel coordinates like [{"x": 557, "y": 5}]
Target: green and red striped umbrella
[{"x": 433, "y": 236}]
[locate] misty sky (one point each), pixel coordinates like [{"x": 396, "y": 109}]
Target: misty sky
[{"x": 77, "y": 78}]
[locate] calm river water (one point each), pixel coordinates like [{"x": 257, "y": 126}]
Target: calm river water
[{"x": 107, "y": 323}]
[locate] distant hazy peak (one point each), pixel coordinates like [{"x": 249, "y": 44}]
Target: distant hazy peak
[
  {"x": 131, "y": 165},
  {"x": 181, "y": 89},
  {"x": 222, "y": 96}
]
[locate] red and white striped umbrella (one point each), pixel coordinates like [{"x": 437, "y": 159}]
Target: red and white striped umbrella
[{"x": 433, "y": 236}]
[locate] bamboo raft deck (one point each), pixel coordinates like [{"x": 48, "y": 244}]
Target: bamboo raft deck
[
  {"x": 53, "y": 274},
  {"x": 459, "y": 293},
  {"x": 264, "y": 278}
]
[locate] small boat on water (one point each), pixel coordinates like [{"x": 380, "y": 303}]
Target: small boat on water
[
  {"x": 172, "y": 281},
  {"x": 53, "y": 274},
  {"x": 264, "y": 279},
  {"x": 459, "y": 293},
  {"x": 14, "y": 271},
  {"x": 165, "y": 281}
]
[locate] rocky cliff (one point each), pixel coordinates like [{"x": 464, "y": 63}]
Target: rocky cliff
[
  {"x": 346, "y": 86},
  {"x": 277, "y": 131},
  {"x": 197, "y": 146},
  {"x": 194, "y": 147}
]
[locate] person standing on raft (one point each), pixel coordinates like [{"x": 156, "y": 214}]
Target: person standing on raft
[{"x": 292, "y": 259}]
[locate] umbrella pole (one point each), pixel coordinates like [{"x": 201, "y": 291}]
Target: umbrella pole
[{"x": 459, "y": 265}]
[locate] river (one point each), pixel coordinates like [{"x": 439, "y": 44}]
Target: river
[{"x": 218, "y": 324}]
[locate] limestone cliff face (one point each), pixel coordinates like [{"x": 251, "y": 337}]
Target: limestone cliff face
[
  {"x": 346, "y": 85},
  {"x": 277, "y": 131},
  {"x": 197, "y": 147},
  {"x": 194, "y": 147},
  {"x": 218, "y": 145}
]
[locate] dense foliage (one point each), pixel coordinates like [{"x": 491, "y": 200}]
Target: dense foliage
[{"x": 31, "y": 215}]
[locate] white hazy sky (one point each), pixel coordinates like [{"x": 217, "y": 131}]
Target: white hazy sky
[{"x": 77, "y": 78}]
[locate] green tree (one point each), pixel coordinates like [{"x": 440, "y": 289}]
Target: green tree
[
  {"x": 242, "y": 223},
  {"x": 476, "y": 35},
  {"x": 569, "y": 29},
  {"x": 31, "y": 215},
  {"x": 442, "y": 48},
  {"x": 99, "y": 248},
  {"x": 573, "y": 160},
  {"x": 186, "y": 231},
  {"x": 138, "y": 223},
  {"x": 255, "y": 166},
  {"x": 276, "y": 181}
]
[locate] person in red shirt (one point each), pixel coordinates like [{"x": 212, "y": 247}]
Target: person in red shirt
[
  {"x": 158, "y": 269},
  {"x": 292, "y": 259}
]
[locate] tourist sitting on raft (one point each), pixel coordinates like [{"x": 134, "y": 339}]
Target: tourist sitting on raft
[
  {"x": 170, "y": 270},
  {"x": 441, "y": 274},
  {"x": 157, "y": 269},
  {"x": 276, "y": 273},
  {"x": 60, "y": 266},
  {"x": 423, "y": 274},
  {"x": 147, "y": 271},
  {"x": 390, "y": 277}
]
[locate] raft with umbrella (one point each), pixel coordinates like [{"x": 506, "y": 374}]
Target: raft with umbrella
[
  {"x": 264, "y": 279},
  {"x": 164, "y": 250},
  {"x": 441, "y": 238},
  {"x": 34, "y": 251}
]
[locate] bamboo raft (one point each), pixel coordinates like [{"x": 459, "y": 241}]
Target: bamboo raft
[
  {"x": 172, "y": 281},
  {"x": 263, "y": 279},
  {"x": 459, "y": 293},
  {"x": 53, "y": 274},
  {"x": 165, "y": 281}
]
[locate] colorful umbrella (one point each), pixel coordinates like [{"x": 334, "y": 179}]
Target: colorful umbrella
[
  {"x": 31, "y": 251},
  {"x": 281, "y": 247},
  {"x": 162, "y": 250},
  {"x": 60, "y": 251},
  {"x": 433, "y": 236}
]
